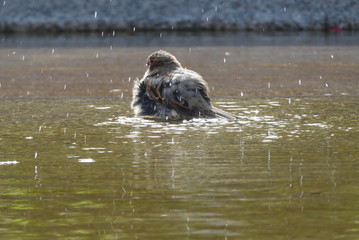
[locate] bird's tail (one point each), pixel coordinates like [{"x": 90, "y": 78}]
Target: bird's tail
[{"x": 223, "y": 114}]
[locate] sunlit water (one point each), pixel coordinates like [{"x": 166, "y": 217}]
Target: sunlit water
[
  {"x": 86, "y": 168},
  {"x": 82, "y": 167}
]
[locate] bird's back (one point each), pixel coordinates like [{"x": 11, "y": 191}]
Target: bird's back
[
  {"x": 183, "y": 90},
  {"x": 168, "y": 91}
]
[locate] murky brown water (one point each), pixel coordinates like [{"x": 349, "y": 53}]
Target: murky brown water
[
  {"x": 75, "y": 164},
  {"x": 64, "y": 66}
]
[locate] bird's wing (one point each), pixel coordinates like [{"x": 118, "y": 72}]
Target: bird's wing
[
  {"x": 187, "y": 93},
  {"x": 184, "y": 91},
  {"x": 155, "y": 87}
]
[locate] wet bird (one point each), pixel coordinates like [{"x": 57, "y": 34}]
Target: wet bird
[{"x": 168, "y": 91}]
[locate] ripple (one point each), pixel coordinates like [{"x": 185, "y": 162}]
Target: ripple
[
  {"x": 266, "y": 122},
  {"x": 93, "y": 148},
  {"x": 317, "y": 125},
  {"x": 86, "y": 160},
  {"x": 8, "y": 162},
  {"x": 153, "y": 129},
  {"x": 102, "y": 108}
]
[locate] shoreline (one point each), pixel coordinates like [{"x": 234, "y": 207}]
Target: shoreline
[{"x": 179, "y": 39}]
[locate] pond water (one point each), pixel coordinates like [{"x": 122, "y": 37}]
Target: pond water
[{"x": 76, "y": 164}]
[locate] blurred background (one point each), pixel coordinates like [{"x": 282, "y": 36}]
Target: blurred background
[{"x": 44, "y": 16}]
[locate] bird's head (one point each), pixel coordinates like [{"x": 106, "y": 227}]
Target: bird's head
[{"x": 162, "y": 61}]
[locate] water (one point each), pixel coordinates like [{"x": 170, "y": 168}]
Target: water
[{"x": 76, "y": 164}]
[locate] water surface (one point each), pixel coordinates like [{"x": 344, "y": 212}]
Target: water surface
[{"x": 76, "y": 164}]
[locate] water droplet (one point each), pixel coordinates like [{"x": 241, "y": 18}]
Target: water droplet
[
  {"x": 326, "y": 84},
  {"x": 332, "y": 56},
  {"x": 115, "y": 90},
  {"x": 284, "y": 9},
  {"x": 113, "y": 33},
  {"x": 300, "y": 82},
  {"x": 289, "y": 100},
  {"x": 35, "y": 155},
  {"x": 224, "y": 60},
  {"x": 129, "y": 79},
  {"x": 65, "y": 86},
  {"x": 36, "y": 172},
  {"x": 134, "y": 29},
  {"x": 53, "y": 51},
  {"x": 161, "y": 35},
  {"x": 242, "y": 94},
  {"x": 268, "y": 84},
  {"x": 207, "y": 19},
  {"x": 96, "y": 55},
  {"x": 95, "y": 14},
  {"x": 4, "y": 3},
  {"x": 23, "y": 57},
  {"x": 320, "y": 77},
  {"x": 110, "y": 47}
]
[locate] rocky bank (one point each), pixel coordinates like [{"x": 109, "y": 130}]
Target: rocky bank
[{"x": 134, "y": 15}]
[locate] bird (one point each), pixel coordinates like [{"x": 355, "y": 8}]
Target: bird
[{"x": 168, "y": 91}]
